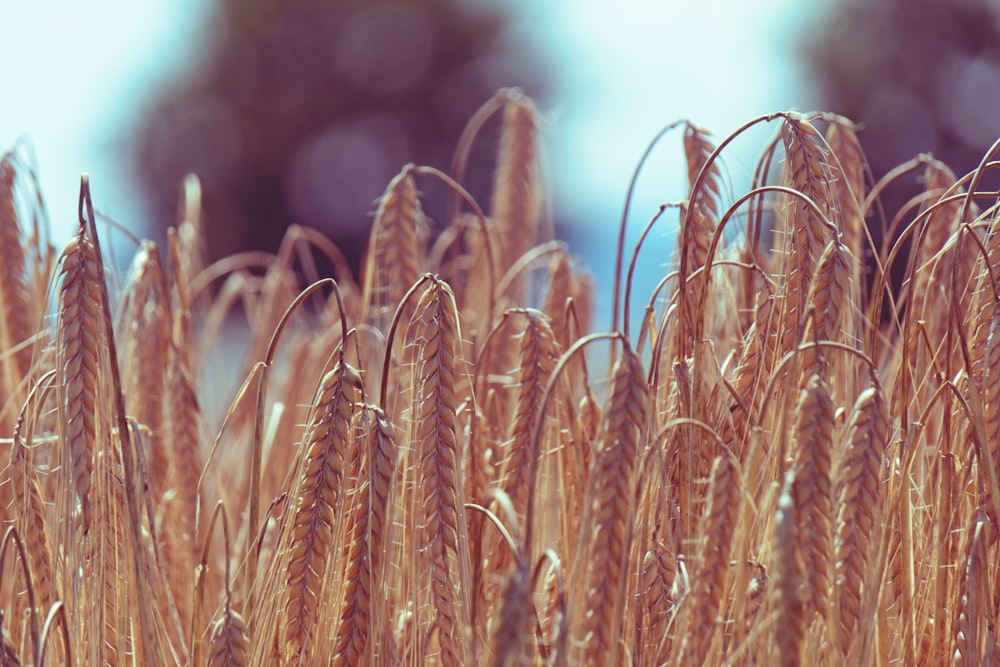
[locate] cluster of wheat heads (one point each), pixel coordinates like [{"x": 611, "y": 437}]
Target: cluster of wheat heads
[{"x": 785, "y": 460}]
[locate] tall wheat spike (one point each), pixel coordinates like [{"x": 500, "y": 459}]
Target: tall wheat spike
[
  {"x": 612, "y": 488},
  {"x": 517, "y": 194},
  {"x": 31, "y": 520},
  {"x": 807, "y": 171},
  {"x": 435, "y": 438},
  {"x": 811, "y": 491},
  {"x": 144, "y": 324},
  {"x": 20, "y": 314},
  {"x": 317, "y": 504},
  {"x": 792, "y": 621},
  {"x": 826, "y": 305},
  {"x": 710, "y": 581},
  {"x": 397, "y": 247},
  {"x": 353, "y": 636},
  {"x": 859, "y": 504},
  {"x": 80, "y": 340}
]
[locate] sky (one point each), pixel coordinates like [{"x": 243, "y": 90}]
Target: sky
[{"x": 628, "y": 69}]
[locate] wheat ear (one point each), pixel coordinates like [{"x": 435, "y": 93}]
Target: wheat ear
[
  {"x": 972, "y": 633},
  {"x": 808, "y": 172},
  {"x": 656, "y": 581},
  {"x": 811, "y": 491},
  {"x": 828, "y": 297},
  {"x": 383, "y": 454},
  {"x": 711, "y": 580},
  {"x": 612, "y": 472},
  {"x": 439, "y": 455},
  {"x": 229, "y": 643},
  {"x": 538, "y": 355},
  {"x": 30, "y": 519},
  {"x": 859, "y": 493},
  {"x": 317, "y": 498},
  {"x": 398, "y": 248},
  {"x": 516, "y": 206},
  {"x": 849, "y": 190},
  {"x": 703, "y": 209},
  {"x": 19, "y": 314},
  {"x": 144, "y": 323},
  {"x": 791, "y": 623},
  {"x": 80, "y": 335},
  {"x": 352, "y": 636}
]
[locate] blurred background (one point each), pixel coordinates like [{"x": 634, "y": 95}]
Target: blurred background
[{"x": 302, "y": 110}]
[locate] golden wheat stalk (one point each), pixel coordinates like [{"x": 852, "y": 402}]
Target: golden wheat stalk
[
  {"x": 443, "y": 532},
  {"x": 317, "y": 506}
]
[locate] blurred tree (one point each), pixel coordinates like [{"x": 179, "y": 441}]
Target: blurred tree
[
  {"x": 921, "y": 75},
  {"x": 303, "y": 110},
  {"x": 918, "y": 75}
]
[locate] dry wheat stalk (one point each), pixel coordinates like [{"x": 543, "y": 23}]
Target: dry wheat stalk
[
  {"x": 612, "y": 474},
  {"x": 317, "y": 505},
  {"x": 80, "y": 340},
  {"x": 517, "y": 198},
  {"x": 353, "y": 637},
  {"x": 710, "y": 581},
  {"x": 860, "y": 474},
  {"x": 790, "y": 625},
  {"x": 435, "y": 439},
  {"x": 811, "y": 490},
  {"x": 20, "y": 314},
  {"x": 826, "y": 305},
  {"x": 397, "y": 247},
  {"x": 144, "y": 324}
]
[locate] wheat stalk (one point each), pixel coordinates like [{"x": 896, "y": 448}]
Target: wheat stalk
[
  {"x": 435, "y": 437},
  {"x": 316, "y": 507},
  {"x": 611, "y": 509},
  {"x": 859, "y": 504}
]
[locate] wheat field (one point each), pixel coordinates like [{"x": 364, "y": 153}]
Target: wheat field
[{"x": 438, "y": 462}]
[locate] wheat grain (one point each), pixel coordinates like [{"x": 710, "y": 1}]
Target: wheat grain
[{"x": 229, "y": 642}]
